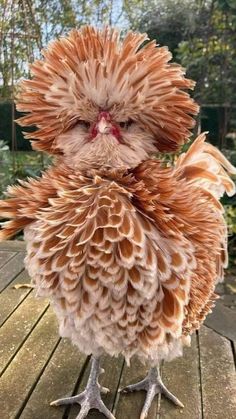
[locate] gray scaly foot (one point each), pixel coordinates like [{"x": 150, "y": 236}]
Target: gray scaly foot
[
  {"x": 90, "y": 398},
  {"x": 153, "y": 385}
]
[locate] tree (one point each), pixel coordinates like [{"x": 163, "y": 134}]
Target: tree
[
  {"x": 20, "y": 40},
  {"x": 167, "y": 21},
  {"x": 26, "y": 26},
  {"x": 209, "y": 56},
  {"x": 201, "y": 35}
]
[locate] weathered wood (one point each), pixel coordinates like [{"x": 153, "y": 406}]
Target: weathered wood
[
  {"x": 130, "y": 405},
  {"x": 223, "y": 321},
  {"x": 10, "y": 298},
  {"x": 18, "y": 327},
  {"x": 181, "y": 377},
  {"x": 58, "y": 380},
  {"x": 110, "y": 379},
  {"x": 217, "y": 375},
  {"x": 12, "y": 268},
  {"x": 12, "y": 245},
  {"x": 5, "y": 256},
  {"x": 24, "y": 371}
]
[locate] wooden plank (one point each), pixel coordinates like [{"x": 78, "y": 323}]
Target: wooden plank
[
  {"x": 223, "y": 321},
  {"x": 25, "y": 369},
  {"x": 218, "y": 376},
  {"x": 13, "y": 245},
  {"x": 130, "y": 405},
  {"x": 58, "y": 380},
  {"x": 5, "y": 256},
  {"x": 12, "y": 268},
  {"x": 18, "y": 327},
  {"x": 10, "y": 298},
  {"x": 181, "y": 377},
  {"x": 110, "y": 379}
]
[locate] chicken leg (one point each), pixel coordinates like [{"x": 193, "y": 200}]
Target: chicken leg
[
  {"x": 90, "y": 398},
  {"x": 153, "y": 385}
]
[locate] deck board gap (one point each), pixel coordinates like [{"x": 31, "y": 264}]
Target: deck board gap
[
  {"x": 23, "y": 342},
  {"x": 16, "y": 308},
  {"x": 116, "y": 399},
  {"x": 13, "y": 278},
  {"x": 18, "y": 258},
  {"x": 233, "y": 347},
  {"x": 7, "y": 260},
  {"x": 200, "y": 373},
  {"x": 77, "y": 385},
  {"x": 37, "y": 380}
]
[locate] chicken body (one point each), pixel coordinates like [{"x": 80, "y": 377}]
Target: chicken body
[
  {"x": 117, "y": 283},
  {"x": 128, "y": 250},
  {"x": 127, "y": 258}
]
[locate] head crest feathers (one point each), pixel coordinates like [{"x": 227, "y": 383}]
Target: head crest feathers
[{"x": 93, "y": 69}]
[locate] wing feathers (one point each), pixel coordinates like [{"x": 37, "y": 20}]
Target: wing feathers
[{"x": 206, "y": 166}]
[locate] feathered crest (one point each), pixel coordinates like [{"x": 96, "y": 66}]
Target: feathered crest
[{"x": 93, "y": 69}]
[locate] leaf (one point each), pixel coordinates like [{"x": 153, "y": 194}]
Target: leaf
[{"x": 17, "y": 286}]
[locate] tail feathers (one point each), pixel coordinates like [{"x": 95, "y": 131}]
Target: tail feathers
[
  {"x": 7, "y": 209},
  {"x": 11, "y": 228},
  {"x": 206, "y": 166},
  {"x": 10, "y": 210}
]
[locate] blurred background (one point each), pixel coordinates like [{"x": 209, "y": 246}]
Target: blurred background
[{"x": 201, "y": 35}]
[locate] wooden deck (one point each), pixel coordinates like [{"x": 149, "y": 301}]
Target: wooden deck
[{"x": 36, "y": 366}]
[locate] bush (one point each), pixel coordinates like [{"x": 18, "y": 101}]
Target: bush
[{"x": 19, "y": 165}]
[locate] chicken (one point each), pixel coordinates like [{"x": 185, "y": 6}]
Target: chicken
[{"x": 127, "y": 248}]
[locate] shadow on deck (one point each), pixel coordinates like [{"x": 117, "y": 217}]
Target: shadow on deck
[{"x": 36, "y": 366}]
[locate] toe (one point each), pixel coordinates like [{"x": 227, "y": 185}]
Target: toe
[
  {"x": 85, "y": 408},
  {"x": 67, "y": 400},
  {"x": 103, "y": 409},
  {"x": 171, "y": 396},
  {"x": 142, "y": 385},
  {"x": 148, "y": 401}
]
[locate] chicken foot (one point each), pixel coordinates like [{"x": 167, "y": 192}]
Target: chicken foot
[
  {"x": 153, "y": 385},
  {"x": 90, "y": 398}
]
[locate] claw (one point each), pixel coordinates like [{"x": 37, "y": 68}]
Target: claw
[
  {"x": 104, "y": 390},
  {"x": 67, "y": 400}
]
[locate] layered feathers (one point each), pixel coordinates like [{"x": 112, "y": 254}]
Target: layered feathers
[{"x": 93, "y": 69}]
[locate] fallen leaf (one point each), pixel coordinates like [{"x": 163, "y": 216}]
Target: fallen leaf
[
  {"x": 17, "y": 286},
  {"x": 232, "y": 288}
]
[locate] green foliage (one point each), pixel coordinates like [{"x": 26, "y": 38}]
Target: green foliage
[
  {"x": 230, "y": 212},
  {"x": 202, "y": 37},
  {"x": 19, "y": 165},
  {"x": 167, "y": 21},
  {"x": 209, "y": 56}
]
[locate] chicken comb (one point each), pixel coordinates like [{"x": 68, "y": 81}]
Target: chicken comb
[{"x": 92, "y": 70}]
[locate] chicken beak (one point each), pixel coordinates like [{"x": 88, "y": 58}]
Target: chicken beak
[{"x": 103, "y": 126}]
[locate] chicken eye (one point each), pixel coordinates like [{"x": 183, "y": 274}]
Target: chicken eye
[
  {"x": 125, "y": 124},
  {"x": 84, "y": 124}
]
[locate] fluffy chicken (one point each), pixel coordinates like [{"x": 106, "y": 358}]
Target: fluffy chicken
[{"x": 127, "y": 248}]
